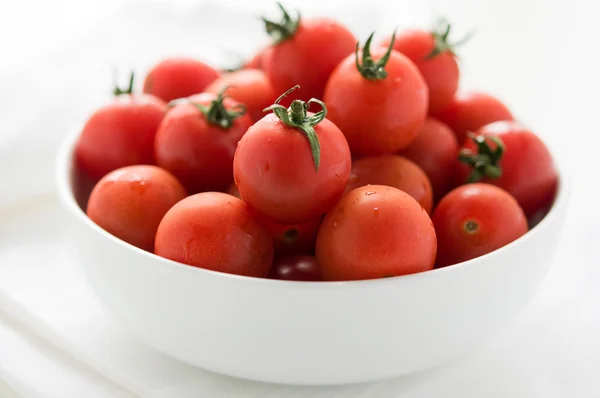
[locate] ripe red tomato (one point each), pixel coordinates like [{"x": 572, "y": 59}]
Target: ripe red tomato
[
  {"x": 470, "y": 111},
  {"x": 130, "y": 202},
  {"x": 247, "y": 86},
  {"x": 119, "y": 134},
  {"x": 292, "y": 166},
  {"x": 435, "y": 150},
  {"x": 305, "y": 52},
  {"x": 256, "y": 62},
  {"x": 197, "y": 140},
  {"x": 178, "y": 78},
  {"x": 476, "y": 219},
  {"x": 296, "y": 268},
  {"x": 523, "y": 167},
  {"x": 434, "y": 55},
  {"x": 287, "y": 239},
  {"x": 375, "y": 232},
  {"x": 393, "y": 171},
  {"x": 215, "y": 231},
  {"x": 379, "y": 110}
]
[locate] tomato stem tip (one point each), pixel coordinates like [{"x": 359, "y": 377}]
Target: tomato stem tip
[
  {"x": 441, "y": 35},
  {"x": 370, "y": 69},
  {"x": 485, "y": 161},
  {"x": 284, "y": 29},
  {"x": 118, "y": 90},
  {"x": 217, "y": 114}
]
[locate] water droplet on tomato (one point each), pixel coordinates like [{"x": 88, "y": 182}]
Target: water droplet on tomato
[
  {"x": 368, "y": 193},
  {"x": 334, "y": 224},
  {"x": 376, "y": 211}
]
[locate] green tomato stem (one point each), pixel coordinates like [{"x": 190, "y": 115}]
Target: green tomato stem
[
  {"x": 218, "y": 115},
  {"x": 283, "y": 30},
  {"x": 486, "y": 161},
  {"x": 129, "y": 90},
  {"x": 370, "y": 69}
]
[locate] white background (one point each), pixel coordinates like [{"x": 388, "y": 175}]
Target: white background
[{"x": 539, "y": 56}]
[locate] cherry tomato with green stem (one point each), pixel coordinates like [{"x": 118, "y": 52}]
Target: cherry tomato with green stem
[
  {"x": 130, "y": 202},
  {"x": 292, "y": 165},
  {"x": 510, "y": 156},
  {"x": 435, "y": 150},
  {"x": 470, "y": 111},
  {"x": 304, "y": 52},
  {"x": 197, "y": 140},
  {"x": 476, "y": 219},
  {"x": 379, "y": 104},
  {"x": 175, "y": 78},
  {"x": 296, "y": 268},
  {"x": 393, "y": 171},
  {"x": 373, "y": 232},
  {"x": 119, "y": 134}
]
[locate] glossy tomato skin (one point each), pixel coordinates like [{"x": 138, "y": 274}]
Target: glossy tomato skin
[
  {"x": 476, "y": 219},
  {"x": 287, "y": 239},
  {"x": 296, "y": 268},
  {"x": 382, "y": 116},
  {"x": 435, "y": 150},
  {"x": 275, "y": 174},
  {"x": 247, "y": 86},
  {"x": 440, "y": 72},
  {"x": 528, "y": 171},
  {"x": 119, "y": 134},
  {"x": 130, "y": 202},
  {"x": 178, "y": 78},
  {"x": 308, "y": 57},
  {"x": 471, "y": 111},
  {"x": 215, "y": 231},
  {"x": 199, "y": 153},
  {"x": 256, "y": 62},
  {"x": 375, "y": 232},
  {"x": 393, "y": 171}
]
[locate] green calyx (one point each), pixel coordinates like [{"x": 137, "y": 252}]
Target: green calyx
[
  {"x": 484, "y": 162},
  {"x": 284, "y": 29},
  {"x": 129, "y": 90},
  {"x": 217, "y": 114},
  {"x": 296, "y": 116},
  {"x": 369, "y": 68},
  {"x": 441, "y": 35}
]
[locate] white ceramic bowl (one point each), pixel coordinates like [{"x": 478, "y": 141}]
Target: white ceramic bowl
[{"x": 311, "y": 332}]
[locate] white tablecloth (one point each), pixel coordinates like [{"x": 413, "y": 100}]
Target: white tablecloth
[{"x": 56, "y": 61}]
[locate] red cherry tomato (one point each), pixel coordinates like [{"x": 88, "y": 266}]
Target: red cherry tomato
[
  {"x": 526, "y": 166},
  {"x": 474, "y": 220},
  {"x": 296, "y": 268},
  {"x": 470, "y": 111},
  {"x": 375, "y": 232},
  {"x": 434, "y": 56},
  {"x": 305, "y": 52},
  {"x": 393, "y": 171},
  {"x": 197, "y": 140},
  {"x": 178, "y": 78},
  {"x": 215, "y": 231},
  {"x": 130, "y": 202},
  {"x": 247, "y": 86},
  {"x": 287, "y": 239},
  {"x": 292, "y": 166},
  {"x": 256, "y": 62},
  {"x": 435, "y": 150},
  {"x": 119, "y": 134},
  {"x": 380, "y": 111}
]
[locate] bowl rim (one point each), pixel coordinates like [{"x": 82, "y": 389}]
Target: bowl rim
[{"x": 63, "y": 171}]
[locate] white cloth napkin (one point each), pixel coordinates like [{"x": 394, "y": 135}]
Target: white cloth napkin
[{"x": 56, "y": 340}]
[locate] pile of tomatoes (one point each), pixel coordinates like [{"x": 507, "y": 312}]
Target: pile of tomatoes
[{"x": 320, "y": 159}]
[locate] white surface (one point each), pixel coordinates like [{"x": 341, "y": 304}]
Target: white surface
[{"x": 536, "y": 54}]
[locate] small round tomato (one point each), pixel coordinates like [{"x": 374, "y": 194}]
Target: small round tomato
[
  {"x": 476, "y": 219},
  {"x": 256, "y": 62},
  {"x": 434, "y": 55},
  {"x": 178, "y": 78},
  {"x": 197, "y": 140},
  {"x": 119, "y": 134},
  {"x": 510, "y": 156},
  {"x": 287, "y": 239},
  {"x": 296, "y": 268},
  {"x": 305, "y": 52},
  {"x": 130, "y": 202},
  {"x": 393, "y": 171},
  {"x": 379, "y": 105},
  {"x": 470, "y": 111},
  {"x": 247, "y": 86},
  {"x": 292, "y": 166},
  {"x": 435, "y": 150},
  {"x": 215, "y": 231},
  {"x": 375, "y": 232}
]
